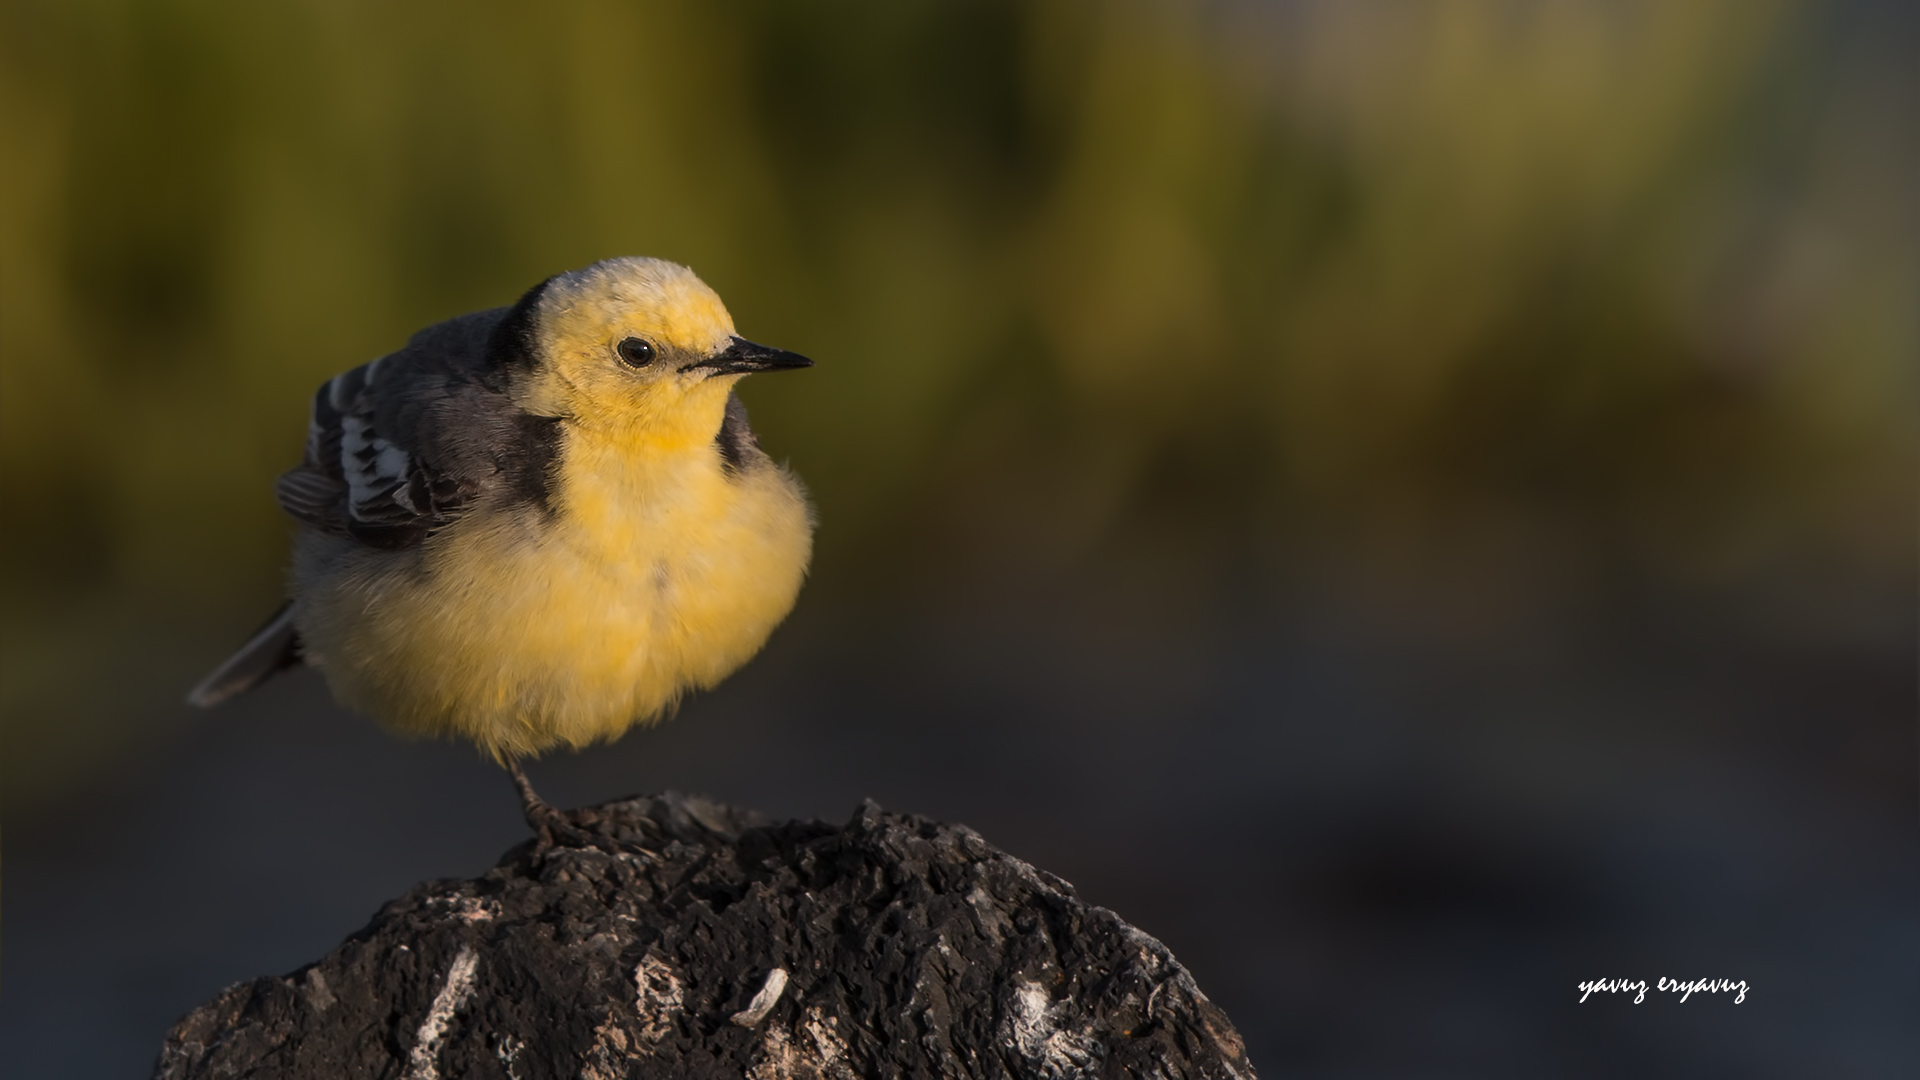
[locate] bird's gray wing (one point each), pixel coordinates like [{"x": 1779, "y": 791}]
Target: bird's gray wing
[
  {"x": 363, "y": 476},
  {"x": 401, "y": 447}
]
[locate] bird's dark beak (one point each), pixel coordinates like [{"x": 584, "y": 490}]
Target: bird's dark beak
[{"x": 744, "y": 356}]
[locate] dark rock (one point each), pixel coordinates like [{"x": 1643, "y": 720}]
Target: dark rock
[{"x": 690, "y": 939}]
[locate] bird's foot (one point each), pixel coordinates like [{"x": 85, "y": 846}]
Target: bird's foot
[{"x": 551, "y": 826}]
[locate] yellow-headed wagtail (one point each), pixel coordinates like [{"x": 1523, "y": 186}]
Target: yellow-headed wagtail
[{"x": 540, "y": 524}]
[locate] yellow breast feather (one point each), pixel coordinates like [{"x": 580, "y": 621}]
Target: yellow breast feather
[{"x": 659, "y": 574}]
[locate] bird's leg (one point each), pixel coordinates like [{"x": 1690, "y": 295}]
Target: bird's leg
[{"x": 547, "y": 822}]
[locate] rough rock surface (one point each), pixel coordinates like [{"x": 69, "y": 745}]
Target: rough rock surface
[{"x": 684, "y": 938}]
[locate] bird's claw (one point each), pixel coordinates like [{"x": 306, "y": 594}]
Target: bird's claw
[{"x": 551, "y": 826}]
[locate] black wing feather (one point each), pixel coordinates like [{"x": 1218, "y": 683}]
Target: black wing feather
[{"x": 401, "y": 447}]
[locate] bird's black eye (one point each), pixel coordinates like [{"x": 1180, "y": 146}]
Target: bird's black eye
[{"x": 635, "y": 351}]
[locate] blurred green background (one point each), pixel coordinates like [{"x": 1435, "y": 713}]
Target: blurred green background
[
  {"x": 1353, "y": 274},
  {"x": 1161, "y": 315}
]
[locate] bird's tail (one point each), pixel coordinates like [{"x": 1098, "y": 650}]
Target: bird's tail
[{"x": 273, "y": 649}]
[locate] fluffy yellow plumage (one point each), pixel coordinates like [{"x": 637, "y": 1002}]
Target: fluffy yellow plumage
[{"x": 540, "y": 525}]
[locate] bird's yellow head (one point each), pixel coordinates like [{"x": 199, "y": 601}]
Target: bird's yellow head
[{"x": 635, "y": 346}]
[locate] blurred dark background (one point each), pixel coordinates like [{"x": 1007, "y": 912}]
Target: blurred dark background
[{"x": 1413, "y": 505}]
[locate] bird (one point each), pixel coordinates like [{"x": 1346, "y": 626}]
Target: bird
[{"x": 540, "y": 525}]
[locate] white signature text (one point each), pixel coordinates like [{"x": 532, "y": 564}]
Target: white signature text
[{"x": 1638, "y": 988}]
